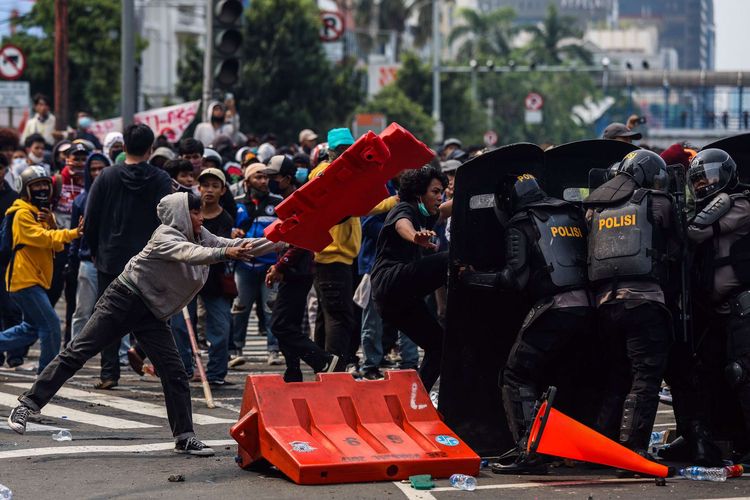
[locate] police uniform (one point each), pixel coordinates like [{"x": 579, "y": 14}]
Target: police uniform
[
  {"x": 721, "y": 232},
  {"x": 631, "y": 239},
  {"x": 546, "y": 259}
]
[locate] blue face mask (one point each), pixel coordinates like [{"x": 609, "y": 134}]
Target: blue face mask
[
  {"x": 423, "y": 209},
  {"x": 301, "y": 175}
]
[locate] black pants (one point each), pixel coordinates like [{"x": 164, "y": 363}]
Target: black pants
[
  {"x": 286, "y": 324},
  {"x": 118, "y": 312},
  {"x": 551, "y": 351},
  {"x": 335, "y": 327},
  {"x": 403, "y": 306},
  {"x": 110, "y": 360},
  {"x": 636, "y": 338}
]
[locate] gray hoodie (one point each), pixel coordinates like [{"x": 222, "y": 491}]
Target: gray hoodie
[{"x": 173, "y": 266}]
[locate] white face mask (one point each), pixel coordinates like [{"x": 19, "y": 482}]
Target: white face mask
[
  {"x": 19, "y": 165},
  {"x": 35, "y": 159}
]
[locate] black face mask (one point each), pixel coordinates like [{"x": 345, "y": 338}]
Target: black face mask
[
  {"x": 273, "y": 186},
  {"x": 41, "y": 198},
  {"x": 217, "y": 120},
  {"x": 257, "y": 194}
]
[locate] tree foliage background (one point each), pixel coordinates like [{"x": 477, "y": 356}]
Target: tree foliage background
[
  {"x": 287, "y": 83},
  {"x": 93, "y": 53}
]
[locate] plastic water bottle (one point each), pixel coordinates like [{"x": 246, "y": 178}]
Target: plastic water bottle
[
  {"x": 716, "y": 474},
  {"x": 63, "y": 435},
  {"x": 463, "y": 482},
  {"x": 5, "y": 493}
]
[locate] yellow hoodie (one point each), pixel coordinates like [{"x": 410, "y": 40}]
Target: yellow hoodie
[
  {"x": 33, "y": 263},
  {"x": 347, "y": 236}
]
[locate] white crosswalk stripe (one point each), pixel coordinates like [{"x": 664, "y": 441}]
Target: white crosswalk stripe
[
  {"x": 53, "y": 410},
  {"x": 126, "y": 404}
]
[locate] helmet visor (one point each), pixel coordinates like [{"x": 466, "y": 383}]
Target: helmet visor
[{"x": 707, "y": 179}]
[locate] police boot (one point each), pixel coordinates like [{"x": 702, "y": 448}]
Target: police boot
[
  {"x": 638, "y": 415},
  {"x": 703, "y": 450},
  {"x": 519, "y": 403}
]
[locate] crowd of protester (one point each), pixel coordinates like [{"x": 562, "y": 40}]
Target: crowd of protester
[{"x": 90, "y": 206}]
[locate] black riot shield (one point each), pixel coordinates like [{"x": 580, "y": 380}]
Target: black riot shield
[
  {"x": 567, "y": 167},
  {"x": 738, "y": 147},
  {"x": 481, "y": 323}
]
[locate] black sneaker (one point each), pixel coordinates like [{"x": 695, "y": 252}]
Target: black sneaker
[
  {"x": 335, "y": 364},
  {"x": 18, "y": 417},
  {"x": 192, "y": 446},
  {"x": 373, "y": 374}
]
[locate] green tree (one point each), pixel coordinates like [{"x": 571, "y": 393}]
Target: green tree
[
  {"x": 398, "y": 107},
  {"x": 190, "y": 72},
  {"x": 552, "y": 44},
  {"x": 460, "y": 116},
  {"x": 483, "y": 35},
  {"x": 93, "y": 53},
  {"x": 286, "y": 81}
]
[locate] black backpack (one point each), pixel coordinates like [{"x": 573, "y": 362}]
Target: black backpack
[{"x": 7, "y": 250}]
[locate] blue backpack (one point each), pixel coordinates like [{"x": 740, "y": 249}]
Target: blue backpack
[{"x": 7, "y": 250}]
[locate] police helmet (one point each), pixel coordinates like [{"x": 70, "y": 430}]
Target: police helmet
[
  {"x": 32, "y": 175},
  {"x": 711, "y": 171},
  {"x": 525, "y": 190},
  {"x": 646, "y": 168}
]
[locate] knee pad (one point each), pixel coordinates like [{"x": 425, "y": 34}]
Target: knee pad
[
  {"x": 523, "y": 362},
  {"x": 735, "y": 373}
]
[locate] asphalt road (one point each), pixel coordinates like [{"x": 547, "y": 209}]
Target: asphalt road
[{"x": 122, "y": 448}]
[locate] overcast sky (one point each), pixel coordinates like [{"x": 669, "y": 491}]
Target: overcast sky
[{"x": 732, "y": 34}]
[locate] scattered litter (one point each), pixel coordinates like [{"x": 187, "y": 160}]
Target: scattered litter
[
  {"x": 63, "y": 435},
  {"x": 176, "y": 478},
  {"x": 5, "y": 493},
  {"x": 421, "y": 482},
  {"x": 463, "y": 482}
]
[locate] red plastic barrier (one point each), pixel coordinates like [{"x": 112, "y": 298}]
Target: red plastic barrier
[
  {"x": 338, "y": 430},
  {"x": 351, "y": 186}
]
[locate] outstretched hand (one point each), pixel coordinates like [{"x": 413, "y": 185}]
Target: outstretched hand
[
  {"x": 242, "y": 252},
  {"x": 423, "y": 237}
]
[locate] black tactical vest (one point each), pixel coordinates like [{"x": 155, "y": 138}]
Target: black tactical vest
[
  {"x": 559, "y": 248},
  {"x": 739, "y": 253},
  {"x": 623, "y": 243}
]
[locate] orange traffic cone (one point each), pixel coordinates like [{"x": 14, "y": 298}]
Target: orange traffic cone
[{"x": 554, "y": 433}]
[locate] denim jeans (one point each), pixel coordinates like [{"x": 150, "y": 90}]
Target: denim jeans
[
  {"x": 251, "y": 283},
  {"x": 86, "y": 296},
  {"x": 372, "y": 337},
  {"x": 120, "y": 311},
  {"x": 409, "y": 352},
  {"x": 218, "y": 319},
  {"x": 39, "y": 320}
]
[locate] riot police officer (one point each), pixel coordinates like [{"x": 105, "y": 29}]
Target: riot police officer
[
  {"x": 721, "y": 232},
  {"x": 545, "y": 259},
  {"x": 632, "y": 238}
]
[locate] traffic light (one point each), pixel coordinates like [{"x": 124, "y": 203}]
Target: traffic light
[{"x": 227, "y": 27}]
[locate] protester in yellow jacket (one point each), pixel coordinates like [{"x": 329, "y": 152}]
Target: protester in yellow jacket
[
  {"x": 335, "y": 328},
  {"x": 35, "y": 239}
]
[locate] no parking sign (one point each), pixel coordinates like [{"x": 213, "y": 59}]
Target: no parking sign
[{"x": 12, "y": 62}]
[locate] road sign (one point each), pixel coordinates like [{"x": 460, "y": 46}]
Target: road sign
[
  {"x": 333, "y": 25},
  {"x": 534, "y": 101},
  {"x": 490, "y": 138},
  {"x": 12, "y": 62},
  {"x": 14, "y": 94},
  {"x": 533, "y": 116}
]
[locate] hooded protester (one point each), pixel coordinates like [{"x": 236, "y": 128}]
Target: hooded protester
[
  {"x": 155, "y": 284},
  {"x": 120, "y": 217},
  {"x": 206, "y": 132},
  {"x": 58, "y": 155},
  {"x": 79, "y": 254},
  {"x": 113, "y": 145}
]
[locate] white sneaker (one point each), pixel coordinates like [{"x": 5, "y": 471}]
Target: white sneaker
[
  {"x": 237, "y": 361},
  {"x": 274, "y": 359},
  {"x": 28, "y": 367}
]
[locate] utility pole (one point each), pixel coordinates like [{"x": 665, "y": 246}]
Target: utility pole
[
  {"x": 436, "y": 71},
  {"x": 127, "y": 64},
  {"x": 208, "y": 77},
  {"x": 61, "y": 64}
]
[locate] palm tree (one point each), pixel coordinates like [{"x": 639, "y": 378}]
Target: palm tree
[
  {"x": 557, "y": 39},
  {"x": 483, "y": 34}
]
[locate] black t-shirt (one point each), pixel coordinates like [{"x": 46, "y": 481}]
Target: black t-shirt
[
  {"x": 392, "y": 251},
  {"x": 221, "y": 225}
]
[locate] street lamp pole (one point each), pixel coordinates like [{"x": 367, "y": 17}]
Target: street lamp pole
[{"x": 436, "y": 71}]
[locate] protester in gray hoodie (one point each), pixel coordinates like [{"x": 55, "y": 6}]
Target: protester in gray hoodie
[{"x": 156, "y": 283}]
